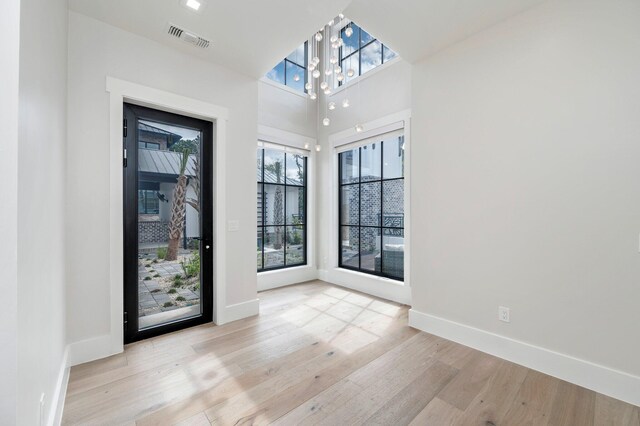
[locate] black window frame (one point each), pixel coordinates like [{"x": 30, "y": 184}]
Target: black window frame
[
  {"x": 303, "y": 66},
  {"x": 145, "y": 145},
  {"x": 381, "y": 227},
  {"x": 358, "y": 52},
  {"x": 143, "y": 195},
  {"x": 263, "y": 225}
]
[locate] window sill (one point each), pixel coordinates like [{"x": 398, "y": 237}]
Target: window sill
[
  {"x": 285, "y": 88},
  {"x": 364, "y": 76},
  {"x": 370, "y": 276},
  {"x": 281, "y": 270}
]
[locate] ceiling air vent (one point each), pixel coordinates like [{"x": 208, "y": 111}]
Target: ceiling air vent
[{"x": 188, "y": 37}]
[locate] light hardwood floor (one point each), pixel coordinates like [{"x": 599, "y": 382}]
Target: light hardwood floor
[{"x": 322, "y": 354}]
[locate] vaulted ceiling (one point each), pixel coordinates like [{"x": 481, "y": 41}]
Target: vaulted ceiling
[
  {"x": 251, "y": 36},
  {"x": 418, "y": 28}
]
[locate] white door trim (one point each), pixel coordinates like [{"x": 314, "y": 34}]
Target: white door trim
[{"x": 119, "y": 92}]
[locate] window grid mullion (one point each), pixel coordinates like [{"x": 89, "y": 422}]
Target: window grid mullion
[
  {"x": 370, "y": 181},
  {"x": 359, "y": 52},
  {"x": 284, "y": 225},
  {"x": 264, "y": 200},
  {"x": 284, "y": 236},
  {"x": 285, "y": 71},
  {"x": 359, "y": 207},
  {"x": 306, "y": 80},
  {"x": 381, "y": 204},
  {"x": 339, "y": 211},
  {"x": 350, "y": 54},
  {"x": 380, "y": 227},
  {"x": 304, "y": 224}
]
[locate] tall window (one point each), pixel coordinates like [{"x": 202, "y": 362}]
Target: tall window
[
  {"x": 361, "y": 52},
  {"x": 292, "y": 70},
  {"x": 371, "y": 179},
  {"x": 282, "y": 208}
]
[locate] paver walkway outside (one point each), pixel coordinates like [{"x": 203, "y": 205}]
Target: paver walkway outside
[{"x": 155, "y": 282}]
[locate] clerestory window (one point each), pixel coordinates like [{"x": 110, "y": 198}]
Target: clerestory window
[
  {"x": 292, "y": 70},
  {"x": 361, "y": 52}
]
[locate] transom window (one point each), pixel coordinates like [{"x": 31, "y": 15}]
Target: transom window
[
  {"x": 292, "y": 70},
  {"x": 282, "y": 208},
  {"x": 361, "y": 52},
  {"x": 371, "y": 215}
]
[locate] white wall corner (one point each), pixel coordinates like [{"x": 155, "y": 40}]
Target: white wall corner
[
  {"x": 239, "y": 311},
  {"x": 605, "y": 380},
  {"x": 57, "y": 402},
  {"x": 91, "y": 349}
]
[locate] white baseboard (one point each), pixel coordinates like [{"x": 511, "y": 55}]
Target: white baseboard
[
  {"x": 282, "y": 277},
  {"x": 605, "y": 380},
  {"x": 57, "y": 402},
  {"x": 106, "y": 345},
  {"x": 240, "y": 310},
  {"x": 369, "y": 284},
  {"x": 92, "y": 349}
]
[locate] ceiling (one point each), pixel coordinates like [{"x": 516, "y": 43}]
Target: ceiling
[
  {"x": 251, "y": 36},
  {"x": 418, "y": 28}
]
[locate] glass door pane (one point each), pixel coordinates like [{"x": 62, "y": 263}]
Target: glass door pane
[{"x": 169, "y": 223}]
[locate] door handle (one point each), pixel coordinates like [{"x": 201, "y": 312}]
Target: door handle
[{"x": 203, "y": 240}]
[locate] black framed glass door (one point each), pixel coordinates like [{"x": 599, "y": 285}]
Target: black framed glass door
[{"x": 168, "y": 222}]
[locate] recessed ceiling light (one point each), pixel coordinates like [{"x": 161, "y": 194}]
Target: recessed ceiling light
[{"x": 193, "y": 4}]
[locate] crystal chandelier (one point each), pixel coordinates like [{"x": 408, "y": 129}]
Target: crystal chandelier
[{"x": 325, "y": 72}]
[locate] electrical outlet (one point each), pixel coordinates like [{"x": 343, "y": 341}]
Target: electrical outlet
[{"x": 504, "y": 314}]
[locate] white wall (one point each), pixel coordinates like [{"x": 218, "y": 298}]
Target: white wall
[
  {"x": 290, "y": 118},
  {"x": 97, "y": 50},
  {"x": 282, "y": 108},
  {"x": 9, "y": 76},
  {"x": 526, "y": 147},
  {"x": 382, "y": 92},
  {"x": 41, "y": 206}
]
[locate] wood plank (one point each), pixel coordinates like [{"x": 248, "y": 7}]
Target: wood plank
[
  {"x": 492, "y": 403},
  {"x": 437, "y": 413},
  {"x": 199, "y": 419},
  {"x": 390, "y": 371},
  {"x": 573, "y": 405},
  {"x": 205, "y": 399},
  {"x": 317, "y": 330},
  {"x": 611, "y": 412},
  {"x": 283, "y": 402},
  {"x": 322, "y": 354},
  {"x": 532, "y": 405},
  {"x": 232, "y": 409},
  {"x": 404, "y": 406},
  {"x": 473, "y": 376}
]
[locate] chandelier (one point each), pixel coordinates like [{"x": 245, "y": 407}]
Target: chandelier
[{"x": 325, "y": 71}]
